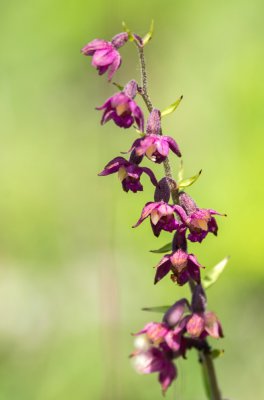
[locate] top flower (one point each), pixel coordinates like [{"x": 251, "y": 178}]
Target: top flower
[{"x": 105, "y": 54}]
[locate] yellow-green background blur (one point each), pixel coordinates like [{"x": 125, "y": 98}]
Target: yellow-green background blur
[{"x": 73, "y": 274}]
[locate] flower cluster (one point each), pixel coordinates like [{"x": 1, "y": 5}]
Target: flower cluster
[{"x": 184, "y": 325}]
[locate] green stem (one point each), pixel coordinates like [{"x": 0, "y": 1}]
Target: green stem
[{"x": 205, "y": 356}]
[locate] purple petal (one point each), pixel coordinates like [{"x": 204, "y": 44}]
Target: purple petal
[
  {"x": 114, "y": 66},
  {"x": 151, "y": 175},
  {"x": 113, "y": 166},
  {"x": 162, "y": 146},
  {"x": 173, "y": 145},
  {"x": 96, "y": 44},
  {"x": 103, "y": 57}
]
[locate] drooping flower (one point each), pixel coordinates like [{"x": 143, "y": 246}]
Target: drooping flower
[
  {"x": 200, "y": 325},
  {"x": 122, "y": 109},
  {"x": 105, "y": 54},
  {"x": 183, "y": 266},
  {"x": 156, "y": 360},
  {"x": 201, "y": 322},
  {"x": 200, "y": 221},
  {"x": 129, "y": 173},
  {"x": 161, "y": 217},
  {"x": 154, "y": 145}
]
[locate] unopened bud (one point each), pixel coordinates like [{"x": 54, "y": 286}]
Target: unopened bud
[
  {"x": 162, "y": 192},
  {"x": 120, "y": 39},
  {"x": 131, "y": 89},
  {"x": 187, "y": 203},
  {"x": 153, "y": 124}
]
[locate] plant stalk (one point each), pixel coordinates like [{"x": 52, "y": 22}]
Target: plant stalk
[{"x": 205, "y": 356}]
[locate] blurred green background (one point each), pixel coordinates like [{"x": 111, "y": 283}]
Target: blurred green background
[{"x": 73, "y": 274}]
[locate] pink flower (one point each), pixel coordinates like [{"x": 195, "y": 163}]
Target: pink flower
[{"x": 105, "y": 54}]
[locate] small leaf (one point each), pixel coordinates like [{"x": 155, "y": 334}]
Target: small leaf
[
  {"x": 172, "y": 107},
  {"x": 159, "y": 309},
  {"x": 120, "y": 87},
  {"x": 217, "y": 353},
  {"x": 215, "y": 273},
  {"x": 128, "y": 31},
  {"x": 189, "y": 181},
  {"x": 149, "y": 35},
  {"x": 163, "y": 249}
]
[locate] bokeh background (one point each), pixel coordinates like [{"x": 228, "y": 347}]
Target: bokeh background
[{"x": 73, "y": 274}]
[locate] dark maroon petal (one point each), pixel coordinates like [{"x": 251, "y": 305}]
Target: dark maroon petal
[
  {"x": 212, "y": 226},
  {"x": 197, "y": 236},
  {"x": 162, "y": 192},
  {"x": 199, "y": 301},
  {"x": 123, "y": 121},
  {"x": 163, "y": 269},
  {"x": 179, "y": 240},
  {"x": 150, "y": 174},
  {"x": 173, "y": 145},
  {"x": 133, "y": 185},
  {"x": 183, "y": 277},
  {"x": 102, "y": 70}
]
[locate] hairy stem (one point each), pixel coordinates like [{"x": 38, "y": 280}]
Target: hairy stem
[
  {"x": 205, "y": 356},
  {"x": 144, "y": 94}
]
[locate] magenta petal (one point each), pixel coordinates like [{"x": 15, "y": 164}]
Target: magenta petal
[
  {"x": 114, "y": 66},
  {"x": 173, "y": 145}
]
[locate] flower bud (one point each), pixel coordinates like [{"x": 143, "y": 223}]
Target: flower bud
[
  {"x": 130, "y": 89},
  {"x": 187, "y": 203},
  {"x": 199, "y": 300},
  {"x": 120, "y": 39},
  {"x": 153, "y": 124},
  {"x": 179, "y": 241},
  {"x": 162, "y": 192}
]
